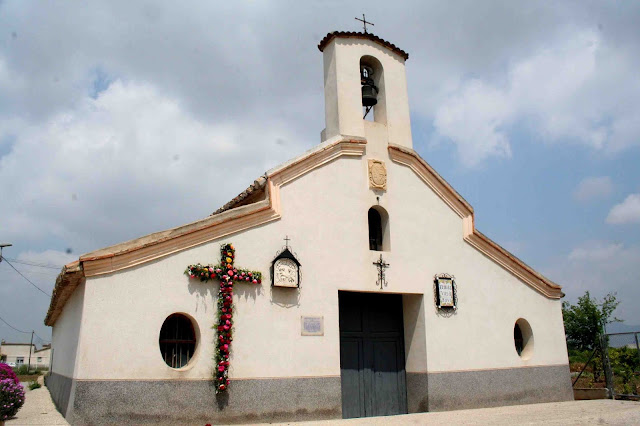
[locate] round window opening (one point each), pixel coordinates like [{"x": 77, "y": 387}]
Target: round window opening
[
  {"x": 523, "y": 338},
  {"x": 177, "y": 340}
]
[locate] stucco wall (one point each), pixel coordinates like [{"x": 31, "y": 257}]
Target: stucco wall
[
  {"x": 325, "y": 215},
  {"x": 66, "y": 334}
]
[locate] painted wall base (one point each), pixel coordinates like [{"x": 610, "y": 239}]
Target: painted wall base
[
  {"x": 60, "y": 389},
  {"x": 493, "y": 388},
  {"x": 195, "y": 402},
  {"x": 296, "y": 399}
]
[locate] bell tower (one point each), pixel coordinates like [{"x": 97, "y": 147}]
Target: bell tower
[{"x": 363, "y": 71}]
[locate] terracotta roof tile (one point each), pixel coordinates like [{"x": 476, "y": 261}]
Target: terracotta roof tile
[
  {"x": 253, "y": 193},
  {"x": 368, "y": 36}
]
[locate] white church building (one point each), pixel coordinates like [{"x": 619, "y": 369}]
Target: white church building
[{"x": 367, "y": 289}]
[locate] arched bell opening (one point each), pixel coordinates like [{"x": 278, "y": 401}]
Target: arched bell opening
[{"x": 374, "y": 106}]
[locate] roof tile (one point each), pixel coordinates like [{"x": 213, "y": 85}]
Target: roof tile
[{"x": 368, "y": 36}]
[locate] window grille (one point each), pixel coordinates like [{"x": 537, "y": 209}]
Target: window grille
[{"x": 177, "y": 341}]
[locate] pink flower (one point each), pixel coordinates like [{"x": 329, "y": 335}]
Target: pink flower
[
  {"x": 211, "y": 270},
  {"x": 225, "y": 347},
  {"x": 230, "y": 272},
  {"x": 192, "y": 276},
  {"x": 218, "y": 270},
  {"x": 221, "y": 368},
  {"x": 226, "y": 327},
  {"x": 255, "y": 281}
]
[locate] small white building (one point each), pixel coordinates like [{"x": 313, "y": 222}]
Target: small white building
[
  {"x": 18, "y": 353},
  {"x": 368, "y": 290},
  {"x": 42, "y": 357}
]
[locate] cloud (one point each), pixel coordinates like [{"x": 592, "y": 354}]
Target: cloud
[
  {"x": 125, "y": 164},
  {"x": 626, "y": 212},
  {"x": 593, "y": 188},
  {"x": 48, "y": 257},
  {"x": 562, "y": 92},
  {"x": 22, "y": 305},
  {"x": 601, "y": 267},
  {"x": 596, "y": 251},
  {"x": 472, "y": 119}
]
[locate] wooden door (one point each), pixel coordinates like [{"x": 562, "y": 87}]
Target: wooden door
[{"x": 372, "y": 355}]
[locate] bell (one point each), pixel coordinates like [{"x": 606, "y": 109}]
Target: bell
[
  {"x": 369, "y": 95},
  {"x": 369, "y": 89}
]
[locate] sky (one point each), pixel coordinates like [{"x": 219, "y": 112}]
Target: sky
[{"x": 119, "y": 118}]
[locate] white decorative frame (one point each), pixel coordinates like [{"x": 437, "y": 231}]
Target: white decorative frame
[{"x": 438, "y": 281}]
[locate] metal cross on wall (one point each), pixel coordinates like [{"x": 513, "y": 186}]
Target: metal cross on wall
[
  {"x": 364, "y": 22},
  {"x": 382, "y": 265}
]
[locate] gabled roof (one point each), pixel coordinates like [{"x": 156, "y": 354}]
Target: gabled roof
[
  {"x": 366, "y": 36},
  {"x": 260, "y": 204}
]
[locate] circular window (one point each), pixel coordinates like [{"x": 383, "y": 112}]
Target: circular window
[
  {"x": 177, "y": 340},
  {"x": 523, "y": 338}
]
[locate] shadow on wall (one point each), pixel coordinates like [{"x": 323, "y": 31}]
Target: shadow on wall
[
  {"x": 204, "y": 291},
  {"x": 247, "y": 290},
  {"x": 285, "y": 297}
]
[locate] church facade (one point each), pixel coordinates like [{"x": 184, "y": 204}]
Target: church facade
[{"x": 347, "y": 282}]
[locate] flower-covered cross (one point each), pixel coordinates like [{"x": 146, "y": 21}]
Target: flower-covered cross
[{"x": 226, "y": 273}]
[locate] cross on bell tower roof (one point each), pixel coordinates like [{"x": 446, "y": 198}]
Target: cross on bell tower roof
[{"x": 364, "y": 23}]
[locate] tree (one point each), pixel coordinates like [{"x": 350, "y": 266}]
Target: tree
[{"x": 584, "y": 322}]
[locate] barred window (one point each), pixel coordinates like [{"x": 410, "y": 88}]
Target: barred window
[{"x": 177, "y": 340}]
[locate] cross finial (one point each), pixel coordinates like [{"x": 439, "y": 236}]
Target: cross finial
[
  {"x": 286, "y": 241},
  {"x": 364, "y": 22}
]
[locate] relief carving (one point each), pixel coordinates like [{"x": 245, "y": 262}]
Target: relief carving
[
  {"x": 285, "y": 273},
  {"x": 377, "y": 175}
]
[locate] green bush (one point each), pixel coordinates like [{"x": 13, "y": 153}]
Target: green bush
[
  {"x": 22, "y": 370},
  {"x": 34, "y": 385},
  {"x": 625, "y": 366}
]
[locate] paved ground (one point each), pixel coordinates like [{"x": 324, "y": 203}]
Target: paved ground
[
  {"x": 39, "y": 410},
  {"x": 597, "y": 412}
]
